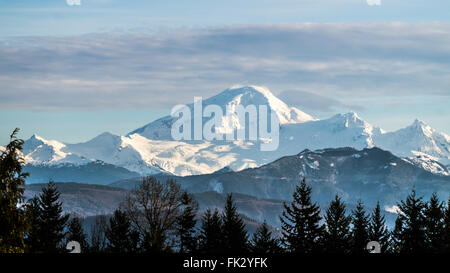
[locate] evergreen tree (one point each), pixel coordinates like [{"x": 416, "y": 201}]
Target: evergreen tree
[
  {"x": 211, "y": 233},
  {"x": 447, "y": 228},
  {"x": 120, "y": 235},
  {"x": 412, "y": 215},
  {"x": 377, "y": 228},
  {"x": 434, "y": 225},
  {"x": 76, "y": 233},
  {"x": 300, "y": 222},
  {"x": 186, "y": 224},
  {"x": 396, "y": 237},
  {"x": 98, "y": 238},
  {"x": 52, "y": 221},
  {"x": 13, "y": 224},
  {"x": 262, "y": 241},
  {"x": 234, "y": 233},
  {"x": 337, "y": 235},
  {"x": 360, "y": 231},
  {"x": 32, "y": 238}
]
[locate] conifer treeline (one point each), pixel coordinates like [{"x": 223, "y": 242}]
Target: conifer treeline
[{"x": 161, "y": 217}]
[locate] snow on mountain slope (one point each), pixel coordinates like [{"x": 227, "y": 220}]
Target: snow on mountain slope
[
  {"x": 428, "y": 163},
  {"x": 104, "y": 147},
  {"x": 238, "y": 95},
  {"x": 145, "y": 156},
  {"x": 117, "y": 150},
  {"x": 342, "y": 130},
  {"x": 371, "y": 174},
  {"x": 258, "y": 95},
  {"x": 148, "y": 156},
  {"x": 416, "y": 140},
  {"x": 150, "y": 149},
  {"x": 139, "y": 154},
  {"x": 48, "y": 152}
]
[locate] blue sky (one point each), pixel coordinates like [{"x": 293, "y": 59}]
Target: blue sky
[
  {"x": 72, "y": 72},
  {"x": 56, "y": 17}
]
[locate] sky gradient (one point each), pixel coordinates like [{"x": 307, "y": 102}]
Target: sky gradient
[{"x": 71, "y": 72}]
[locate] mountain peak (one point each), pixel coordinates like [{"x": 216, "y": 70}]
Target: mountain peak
[
  {"x": 32, "y": 143},
  {"x": 421, "y": 127},
  {"x": 106, "y": 135},
  {"x": 259, "y": 95},
  {"x": 249, "y": 89},
  {"x": 35, "y": 137},
  {"x": 104, "y": 139},
  {"x": 231, "y": 97},
  {"x": 349, "y": 119},
  {"x": 351, "y": 116},
  {"x": 245, "y": 95},
  {"x": 418, "y": 123}
]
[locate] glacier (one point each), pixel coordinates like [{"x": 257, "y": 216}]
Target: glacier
[{"x": 150, "y": 149}]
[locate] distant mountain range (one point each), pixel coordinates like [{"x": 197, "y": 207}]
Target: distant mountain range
[
  {"x": 95, "y": 172},
  {"x": 150, "y": 149},
  {"x": 370, "y": 174},
  {"x": 89, "y": 200},
  {"x": 83, "y": 199},
  {"x": 340, "y": 155}
]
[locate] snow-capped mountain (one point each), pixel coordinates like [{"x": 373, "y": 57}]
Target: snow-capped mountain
[
  {"x": 342, "y": 130},
  {"x": 126, "y": 152},
  {"x": 231, "y": 97},
  {"x": 371, "y": 174},
  {"x": 38, "y": 150},
  {"x": 428, "y": 163},
  {"x": 418, "y": 139},
  {"x": 150, "y": 149}
]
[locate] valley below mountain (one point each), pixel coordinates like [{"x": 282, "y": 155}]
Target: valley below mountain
[
  {"x": 341, "y": 155},
  {"x": 371, "y": 175}
]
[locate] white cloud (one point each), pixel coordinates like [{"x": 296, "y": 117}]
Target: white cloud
[
  {"x": 392, "y": 209},
  {"x": 73, "y": 2},
  {"x": 138, "y": 70},
  {"x": 374, "y": 2}
]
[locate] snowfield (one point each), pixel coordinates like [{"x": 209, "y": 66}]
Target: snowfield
[{"x": 150, "y": 149}]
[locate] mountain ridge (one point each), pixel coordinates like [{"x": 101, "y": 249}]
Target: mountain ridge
[
  {"x": 237, "y": 95},
  {"x": 372, "y": 174},
  {"x": 154, "y": 154}
]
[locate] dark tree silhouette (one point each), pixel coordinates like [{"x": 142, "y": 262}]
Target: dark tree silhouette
[
  {"x": 121, "y": 238},
  {"x": 211, "y": 236},
  {"x": 33, "y": 236},
  {"x": 396, "y": 237},
  {"x": 233, "y": 229},
  {"x": 13, "y": 222},
  {"x": 153, "y": 208},
  {"x": 412, "y": 239},
  {"x": 447, "y": 228},
  {"x": 262, "y": 241},
  {"x": 186, "y": 224},
  {"x": 76, "y": 233},
  {"x": 52, "y": 220},
  {"x": 98, "y": 238},
  {"x": 300, "y": 222},
  {"x": 434, "y": 213},
  {"x": 378, "y": 230},
  {"x": 337, "y": 235},
  {"x": 360, "y": 230}
]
